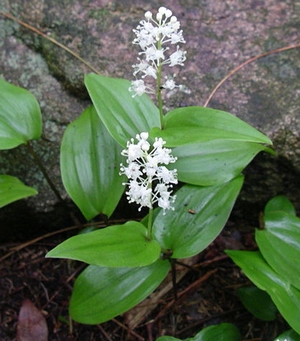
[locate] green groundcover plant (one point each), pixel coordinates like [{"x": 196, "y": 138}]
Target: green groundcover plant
[
  {"x": 125, "y": 141},
  {"x": 275, "y": 267},
  {"x": 20, "y": 122},
  {"x": 184, "y": 167}
]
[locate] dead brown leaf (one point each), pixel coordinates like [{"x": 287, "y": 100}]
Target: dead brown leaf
[{"x": 31, "y": 324}]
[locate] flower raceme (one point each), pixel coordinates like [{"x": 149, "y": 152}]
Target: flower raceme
[
  {"x": 150, "y": 180},
  {"x": 152, "y": 36}
]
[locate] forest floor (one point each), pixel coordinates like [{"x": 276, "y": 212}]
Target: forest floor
[{"x": 206, "y": 295}]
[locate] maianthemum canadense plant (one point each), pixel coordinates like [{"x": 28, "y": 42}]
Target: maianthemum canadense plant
[
  {"x": 183, "y": 166},
  {"x": 125, "y": 141},
  {"x": 274, "y": 268},
  {"x": 20, "y": 122}
]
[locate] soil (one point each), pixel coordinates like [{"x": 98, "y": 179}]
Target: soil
[{"x": 206, "y": 294}]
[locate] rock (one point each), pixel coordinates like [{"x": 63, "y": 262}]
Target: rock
[{"x": 220, "y": 35}]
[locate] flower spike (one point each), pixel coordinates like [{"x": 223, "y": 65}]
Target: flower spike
[
  {"x": 159, "y": 42},
  {"x": 150, "y": 180}
]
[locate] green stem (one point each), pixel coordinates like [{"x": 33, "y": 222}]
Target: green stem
[
  {"x": 150, "y": 223},
  {"x": 159, "y": 98},
  {"x": 43, "y": 170},
  {"x": 158, "y": 88}
]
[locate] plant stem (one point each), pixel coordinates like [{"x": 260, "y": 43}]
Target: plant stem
[
  {"x": 158, "y": 88},
  {"x": 43, "y": 170},
  {"x": 150, "y": 223},
  {"x": 159, "y": 98},
  {"x": 174, "y": 282}
]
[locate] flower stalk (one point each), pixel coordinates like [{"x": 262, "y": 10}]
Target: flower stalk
[
  {"x": 149, "y": 180},
  {"x": 150, "y": 224},
  {"x": 159, "y": 96}
]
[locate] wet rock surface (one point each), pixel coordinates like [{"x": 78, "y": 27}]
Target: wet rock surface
[{"x": 220, "y": 35}]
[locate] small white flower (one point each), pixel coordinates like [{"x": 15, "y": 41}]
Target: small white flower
[
  {"x": 133, "y": 152},
  {"x": 169, "y": 84},
  {"x": 138, "y": 87},
  {"x": 132, "y": 171},
  {"x": 154, "y": 55},
  {"x": 143, "y": 136},
  {"x": 164, "y": 203},
  {"x": 166, "y": 175},
  {"x": 177, "y": 58},
  {"x": 145, "y": 68},
  {"x": 153, "y": 36},
  {"x": 148, "y": 15},
  {"x": 150, "y": 180}
]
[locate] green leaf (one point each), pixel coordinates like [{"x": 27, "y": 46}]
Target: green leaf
[
  {"x": 214, "y": 162},
  {"x": 123, "y": 115},
  {"x": 280, "y": 203},
  {"x": 289, "y": 335},
  {"x": 90, "y": 165},
  {"x": 101, "y": 294},
  {"x": 12, "y": 189},
  {"x": 258, "y": 303},
  {"x": 115, "y": 246},
  {"x": 20, "y": 116},
  {"x": 221, "y": 332},
  {"x": 191, "y": 125},
  {"x": 198, "y": 217},
  {"x": 285, "y": 296},
  {"x": 279, "y": 243}
]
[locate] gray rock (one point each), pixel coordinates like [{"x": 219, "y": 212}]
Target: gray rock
[{"x": 220, "y": 35}]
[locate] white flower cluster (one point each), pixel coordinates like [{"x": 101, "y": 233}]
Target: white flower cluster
[
  {"x": 151, "y": 36},
  {"x": 149, "y": 178}
]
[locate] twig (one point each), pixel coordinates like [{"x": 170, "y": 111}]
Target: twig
[
  {"x": 50, "y": 234},
  {"x": 8, "y": 15},
  {"x": 104, "y": 332},
  {"x": 129, "y": 330},
  {"x": 33, "y": 241},
  {"x": 193, "y": 286},
  {"x": 250, "y": 60}
]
